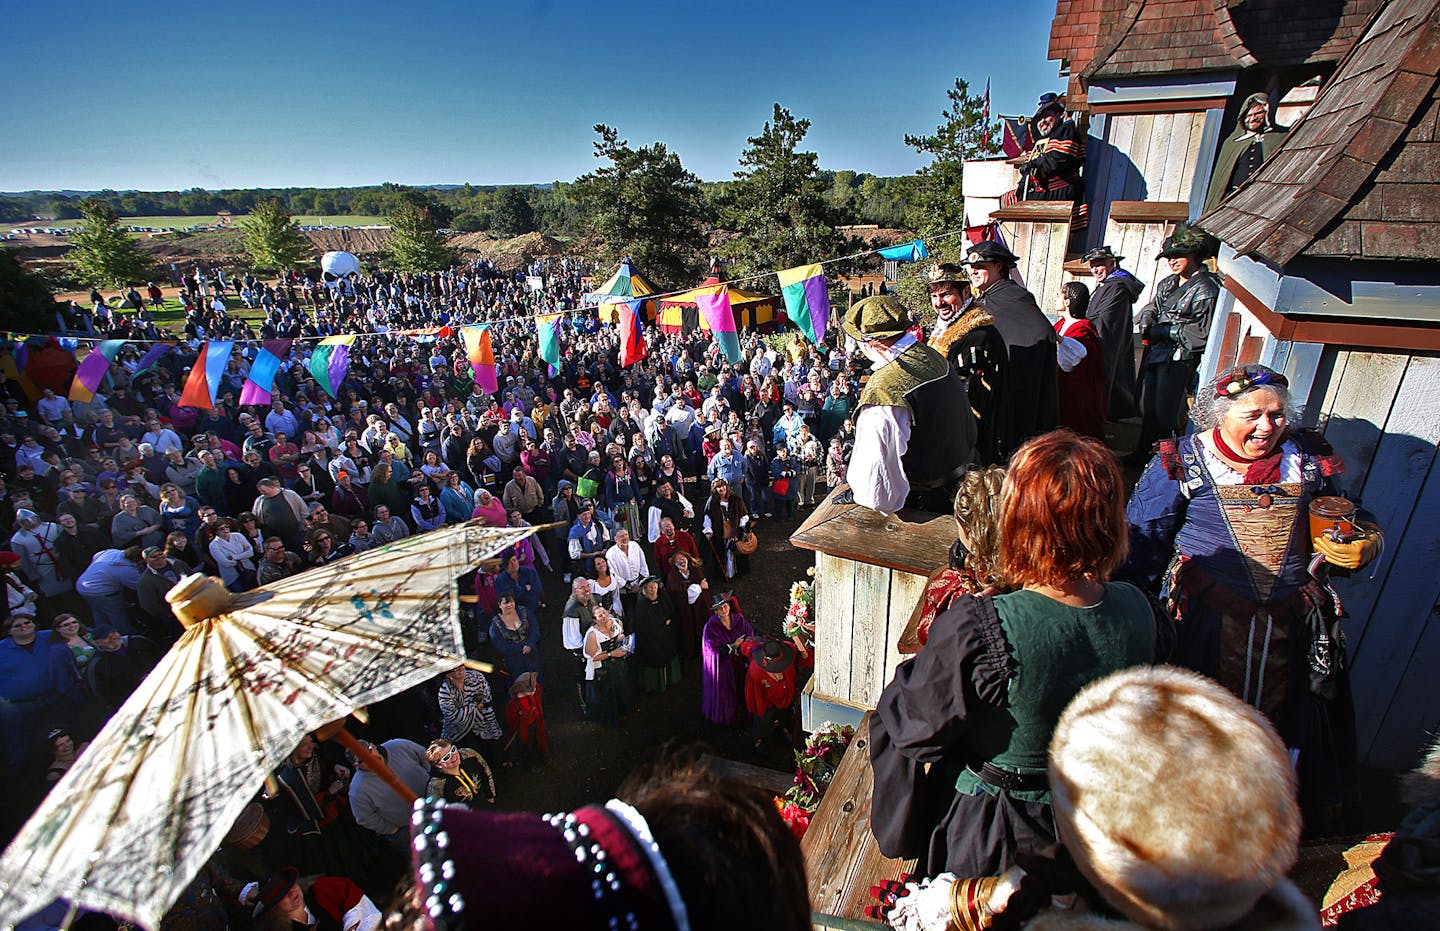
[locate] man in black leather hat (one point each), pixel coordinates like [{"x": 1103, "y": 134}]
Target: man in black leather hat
[
  {"x": 1175, "y": 326},
  {"x": 1032, "y": 381}
]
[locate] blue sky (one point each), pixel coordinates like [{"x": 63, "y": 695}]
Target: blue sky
[{"x": 162, "y": 96}]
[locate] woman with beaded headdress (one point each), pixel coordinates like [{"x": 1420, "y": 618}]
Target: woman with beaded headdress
[{"x": 1219, "y": 529}]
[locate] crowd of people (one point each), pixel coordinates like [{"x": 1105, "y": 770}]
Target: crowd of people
[{"x": 651, "y": 481}]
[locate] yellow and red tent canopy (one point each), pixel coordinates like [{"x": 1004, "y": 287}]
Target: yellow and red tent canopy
[{"x": 679, "y": 313}]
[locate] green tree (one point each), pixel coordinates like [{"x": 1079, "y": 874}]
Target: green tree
[
  {"x": 644, "y": 204},
  {"x": 25, "y": 301},
  {"x": 938, "y": 201},
  {"x": 510, "y": 212},
  {"x": 416, "y": 244},
  {"x": 102, "y": 253},
  {"x": 273, "y": 240},
  {"x": 777, "y": 205}
]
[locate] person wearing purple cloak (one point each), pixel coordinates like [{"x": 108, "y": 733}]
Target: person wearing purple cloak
[{"x": 724, "y": 664}]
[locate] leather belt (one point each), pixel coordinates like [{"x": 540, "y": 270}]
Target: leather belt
[{"x": 1014, "y": 782}]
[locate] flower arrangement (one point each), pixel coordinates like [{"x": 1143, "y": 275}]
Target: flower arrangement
[
  {"x": 799, "y": 620},
  {"x": 815, "y": 766}
]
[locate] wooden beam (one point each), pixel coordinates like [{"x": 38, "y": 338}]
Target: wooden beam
[
  {"x": 1149, "y": 211},
  {"x": 1367, "y": 334},
  {"x": 1179, "y": 105},
  {"x": 1035, "y": 211}
]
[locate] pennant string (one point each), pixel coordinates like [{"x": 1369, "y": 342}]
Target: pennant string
[{"x": 553, "y": 314}]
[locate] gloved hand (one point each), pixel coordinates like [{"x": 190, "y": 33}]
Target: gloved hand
[
  {"x": 1354, "y": 553},
  {"x": 908, "y": 906}
]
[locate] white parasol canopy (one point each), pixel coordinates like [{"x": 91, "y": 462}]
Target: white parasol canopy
[
  {"x": 131, "y": 823},
  {"x": 338, "y": 265}
]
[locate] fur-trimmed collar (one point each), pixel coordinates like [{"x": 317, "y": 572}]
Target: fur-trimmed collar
[{"x": 975, "y": 317}]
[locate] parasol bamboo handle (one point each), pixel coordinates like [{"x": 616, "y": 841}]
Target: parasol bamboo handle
[{"x": 376, "y": 764}]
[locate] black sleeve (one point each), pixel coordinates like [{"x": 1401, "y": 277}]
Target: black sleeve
[{"x": 923, "y": 713}]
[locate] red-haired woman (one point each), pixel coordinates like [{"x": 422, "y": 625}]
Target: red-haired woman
[{"x": 959, "y": 739}]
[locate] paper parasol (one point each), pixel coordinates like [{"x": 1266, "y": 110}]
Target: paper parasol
[{"x": 131, "y": 823}]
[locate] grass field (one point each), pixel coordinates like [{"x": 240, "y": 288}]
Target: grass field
[{"x": 186, "y": 222}]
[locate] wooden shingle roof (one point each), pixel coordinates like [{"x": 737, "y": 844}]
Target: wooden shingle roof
[
  {"x": 1356, "y": 177},
  {"x": 1157, "y": 37},
  {"x": 1079, "y": 29}
]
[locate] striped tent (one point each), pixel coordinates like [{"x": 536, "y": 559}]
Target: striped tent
[
  {"x": 627, "y": 283},
  {"x": 680, "y": 314}
]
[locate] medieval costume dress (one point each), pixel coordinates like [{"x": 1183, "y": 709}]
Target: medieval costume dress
[
  {"x": 1082, "y": 385},
  {"x": 657, "y": 641},
  {"x": 725, "y": 520},
  {"x": 959, "y": 737},
  {"x": 689, "y": 601},
  {"x": 1112, "y": 313},
  {"x": 723, "y": 672},
  {"x": 1228, "y": 555},
  {"x": 976, "y": 352},
  {"x": 1242, "y": 154}
]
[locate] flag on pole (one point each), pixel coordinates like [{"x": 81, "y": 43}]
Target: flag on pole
[
  {"x": 261, "y": 379},
  {"x": 632, "y": 340},
  {"x": 721, "y": 318},
  {"x": 156, "y": 352},
  {"x": 93, "y": 368},
  {"x": 203, "y": 385},
  {"x": 482, "y": 358},
  {"x": 545, "y": 328},
  {"x": 985, "y": 119},
  {"x": 330, "y": 362},
  {"x": 1015, "y": 139},
  {"x": 905, "y": 252},
  {"x": 807, "y": 300}
]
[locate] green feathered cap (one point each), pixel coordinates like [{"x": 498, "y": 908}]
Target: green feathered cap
[{"x": 1190, "y": 240}]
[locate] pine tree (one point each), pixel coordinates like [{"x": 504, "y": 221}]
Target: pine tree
[
  {"x": 416, "y": 244},
  {"x": 777, "y": 204},
  {"x": 646, "y": 205},
  {"x": 272, "y": 239},
  {"x": 102, "y": 253},
  {"x": 938, "y": 201}
]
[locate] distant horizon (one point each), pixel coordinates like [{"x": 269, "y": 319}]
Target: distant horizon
[{"x": 280, "y": 95}]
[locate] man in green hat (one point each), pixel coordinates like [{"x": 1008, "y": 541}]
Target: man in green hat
[
  {"x": 914, "y": 432},
  {"x": 1174, "y": 328}
]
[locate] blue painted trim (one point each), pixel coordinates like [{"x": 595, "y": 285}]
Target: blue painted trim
[{"x": 1174, "y": 87}]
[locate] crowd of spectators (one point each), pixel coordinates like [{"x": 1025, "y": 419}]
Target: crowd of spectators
[{"x": 653, "y": 473}]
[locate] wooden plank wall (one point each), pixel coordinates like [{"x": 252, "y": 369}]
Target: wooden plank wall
[
  {"x": 1140, "y": 243},
  {"x": 1378, "y": 410},
  {"x": 1146, "y": 156},
  {"x": 1041, "y": 249},
  {"x": 860, "y": 612}
]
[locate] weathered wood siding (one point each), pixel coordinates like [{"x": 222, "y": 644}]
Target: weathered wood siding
[
  {"x": 1041, "y": 250},
  {"x": 1140, "y": 243},
  {"x": 1379, "y": 410},
  {"x": 860, "y": 613},
  {"x": 1146, "y": 156}
]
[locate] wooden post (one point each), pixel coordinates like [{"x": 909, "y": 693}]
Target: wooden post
[{"x": 365, "y": 755}]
